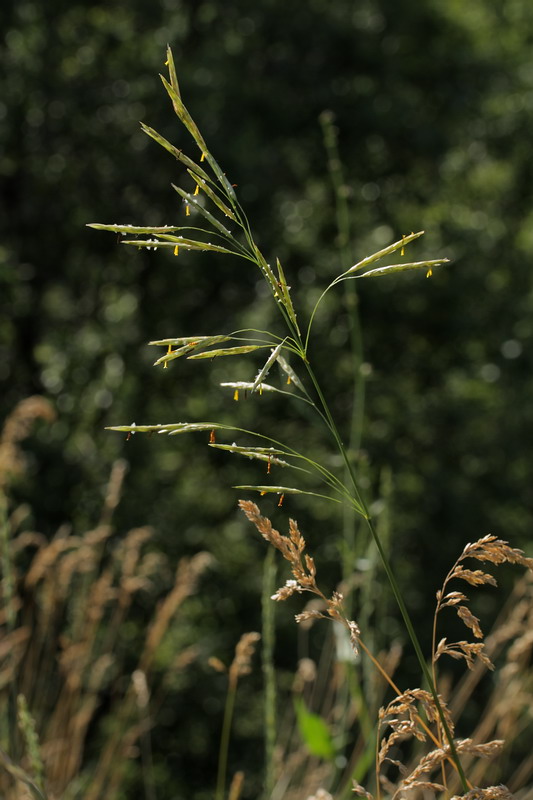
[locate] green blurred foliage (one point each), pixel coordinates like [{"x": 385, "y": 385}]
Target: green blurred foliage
[{"x": 433, "y": 105}]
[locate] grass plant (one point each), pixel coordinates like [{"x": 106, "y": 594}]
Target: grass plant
[
  {"x": 215, "y": 223},
  {"x": 77, "y": 590}
]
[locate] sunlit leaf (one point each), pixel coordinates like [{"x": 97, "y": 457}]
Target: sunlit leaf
[{"x": 314, "y": 732}]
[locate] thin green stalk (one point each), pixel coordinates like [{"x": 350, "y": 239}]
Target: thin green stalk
[
  {"x": 224, "y": 740},
  {"x": 351, "y": 302},
  {"x": 335, "y": 433},
  {"x": 418, "y": 650},
  {"x": 269, "y": 673},
  {"x": 393, "y": 582},
  {"x": 342, "y": 214}
]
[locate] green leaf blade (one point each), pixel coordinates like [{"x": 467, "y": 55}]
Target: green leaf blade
[{"x": 314, "y": 732}]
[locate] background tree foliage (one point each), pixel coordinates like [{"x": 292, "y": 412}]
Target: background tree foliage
[{"x": 433, "y": 105}]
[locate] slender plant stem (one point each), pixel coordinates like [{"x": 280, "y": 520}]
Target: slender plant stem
[
  {"x": 269, "y": 673},
  {"x": 224, "y": 741},
  {"x": 392, "y": 580},
  {"x": 418, "y": 650}
]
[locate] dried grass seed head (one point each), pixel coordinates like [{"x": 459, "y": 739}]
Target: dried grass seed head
[
  {"x": 241, "y": 664},
  {"x": 500, "y": 792},
  {"x": 497, "y": 551}
]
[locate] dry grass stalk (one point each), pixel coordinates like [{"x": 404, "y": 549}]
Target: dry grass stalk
[
  {"x": 402, "y": 714},
  {"x": 241, "y": 664},
  {"x": 68, "y": 610},
  {"x": 303, "y": 569},
  {"x": 478, "y": 655},
  {"x": 488, "y": 548},
  {"x": 17, "y": 427},
  {"x": 236, "y": 785},
  {"x": 304, "y": 580},
  {"x": 187, "y": 575},
  {"x": 500, "y": 792},
  {"x": 436, "y": 758}
]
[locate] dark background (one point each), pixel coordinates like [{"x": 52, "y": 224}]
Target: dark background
[{"x": 433, "y": 103}]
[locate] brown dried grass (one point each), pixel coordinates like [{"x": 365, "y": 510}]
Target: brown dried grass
[{"x": 60, "y": 623}]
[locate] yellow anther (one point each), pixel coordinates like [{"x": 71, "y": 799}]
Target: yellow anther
[
  {"x": 288, "y": 379},
  {"x": 429, "y": 273},
  {"x": 176, "y": 251},
  {"x": 196, "y": 191},
  {"x": 236, "y": 394},
  {"x": 202, "y": 157},
  {"x": 187, "y": 211},
  {"x": 169, "y": 353}
]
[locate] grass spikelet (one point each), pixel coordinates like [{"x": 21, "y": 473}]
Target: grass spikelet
[
  {"x": 497, "y": 551},
  {"x": 303, "y": 570},
  {"x": 241, "y": 664},
  {"x": 46, "y": 558},
  {"x": 386, "y": 251},
  {"x": 236, "y": 785},
  {"x": 500, "y": 792},
  {"x": 187, "y": 575},
  {"x": 402, "y": 716},
  {"x": 488, "y": 548},
  {"x": 263, "y": 372},
  {"x": 16, "y": 428},
  {"x": 360, "y": 791},
  {"x": 429, "y": 266}
]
